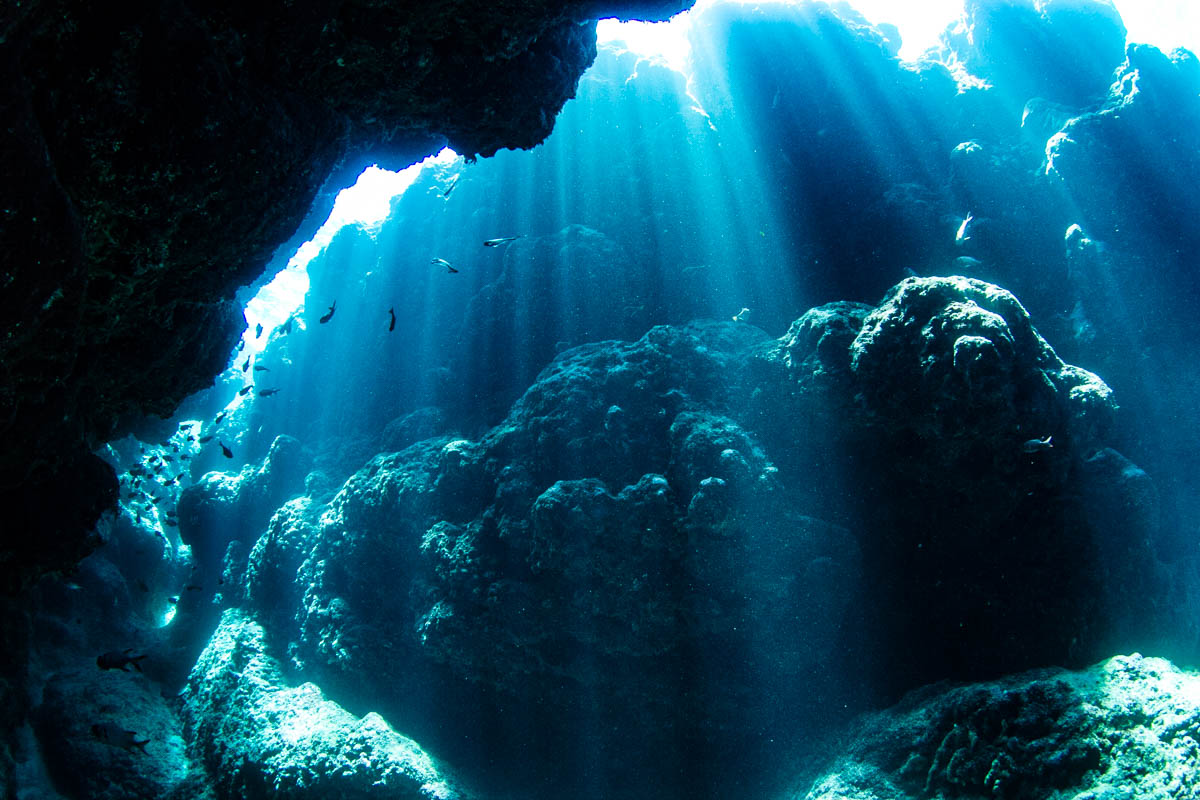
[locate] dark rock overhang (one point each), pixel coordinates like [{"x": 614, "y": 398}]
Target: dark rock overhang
[{"x": 156, "y": 154}]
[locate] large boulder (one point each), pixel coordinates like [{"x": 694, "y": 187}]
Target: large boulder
[
  {"x": 261, "y": 738},
  {"x": 1127, "y": 727},
  {"x": 112, "y": 735}
]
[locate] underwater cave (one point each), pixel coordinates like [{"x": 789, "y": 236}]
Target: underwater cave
[{"x": 600, "y": 399}]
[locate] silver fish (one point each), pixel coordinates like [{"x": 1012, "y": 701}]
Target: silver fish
[
  {"x": 1037, "y": 445},
  {"x": 962, "y": 237}
]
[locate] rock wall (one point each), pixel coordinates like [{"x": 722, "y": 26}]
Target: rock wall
[
  {"x": 156, "y": 156},
  {"x": 667, "y": 538}
]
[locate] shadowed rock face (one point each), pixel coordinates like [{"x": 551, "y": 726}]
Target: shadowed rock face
[{"x": 158, "y": 154}]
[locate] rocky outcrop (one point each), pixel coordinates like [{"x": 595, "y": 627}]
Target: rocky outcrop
[
  {"x": 1126, "y": 727},
  {"x": 1064, "y": 51},
  {"x": 162, "y": 154},
  {"x": 681, "y": 505},
  {"x": 112, "y": 735},
  {"x": 220, "y": 508},
  {"x": 261, "y": 738}
]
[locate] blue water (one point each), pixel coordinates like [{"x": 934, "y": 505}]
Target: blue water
[{"x": 602, "y": 513}]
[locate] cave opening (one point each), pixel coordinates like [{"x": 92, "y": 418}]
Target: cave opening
[{"x": 817, "y": 358}]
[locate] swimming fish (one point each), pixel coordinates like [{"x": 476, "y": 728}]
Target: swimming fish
[
  {"x": 246, "y": 365},
  {"x": 225, "y": 451},
  {"x": 741, "y": 315},
  {"x": 441, "y": 262},
  {"x": 328, "y": 316},
  {"x": 962, "y": 237},
  {"x": 392, "y": 324},
  {"x": 499, "y": 241},
  {"x": 206, "y": 439},
  {"x": 268, "y": 392},
  {"x": 117, "y": 736},
  {"x": 453, "y": 183},
  {"x": 220, "y": 417},
  {"x": 967, "y": 263},
  {"x": 242, "y": 392},
  {"x": 261, "y": 369},
  {"x": 1037, "y": 445},
  {"x": 119, "y": 660},
  {"x": 258, "y": 330}
]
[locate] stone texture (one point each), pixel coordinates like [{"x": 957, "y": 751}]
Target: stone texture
[
  {"x": 164, "y": 153},
  {"x": 88, "y": 726},
  {"x": 690, "y": 493},
  {"x": 1128, "y": 727},
  {"x": 261, "y": 738}
]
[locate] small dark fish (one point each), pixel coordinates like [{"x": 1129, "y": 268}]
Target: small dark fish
[
  {"x": 287, "y": 326},
  {"x": 246, "y": 364},
  {"x": 328, "y": 316},
  {"x": 441, "y": 262},
  {"x": 206, "y": 439},
  {"x": 180, "y": 476},
  {"x": 173, "y": 599},
  {"x": 191, "y": 587},
  {"x": 220, "y": 417},
  {"x": 268, "y": 392},
  {"x": 258, "y": 330},
  {"x": 185, "y": 456},
  {"x": 245, "y": 390},
  {"x": 392, "y": 324},
  {"x": 453, "y": 183},
  {"x": 173, "y": 480},
  {"x": 115, "y": 660},
  {"x": 171, "y": 523},
  {"x": 225, "y": 451},
  {"x": 500, "y": 240},
  {"x": 1038, "y": 445},
  {"x": 114, "y": 734},
  {"x": 261, "y": 369}
]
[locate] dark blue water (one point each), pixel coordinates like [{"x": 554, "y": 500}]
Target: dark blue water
[{"x": 609, "y": 512}]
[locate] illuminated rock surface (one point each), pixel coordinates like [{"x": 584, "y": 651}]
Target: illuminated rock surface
[
  {"x": 1128, "y": 727},
  {"x": 263, "y": 738}
]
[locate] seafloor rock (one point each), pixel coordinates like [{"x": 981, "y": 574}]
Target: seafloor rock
[
  {"x": 220, "y": 508},
  {"x": 157, "y": 156},
  {"x": 1128, "y": 727},
  {"x": 955, "y": 367},
  {"x": 261, "y": 738},
  {"x": 689, "y": 493},
  {"x": 111, "y": 735},
  {"x": 982, "y": 440}
]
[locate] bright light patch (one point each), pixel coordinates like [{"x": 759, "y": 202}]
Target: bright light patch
[
  {"x": 1166, "y": 24},
  {"x": 665, "y": 42},
  {"x": 366, "y": 204}
]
